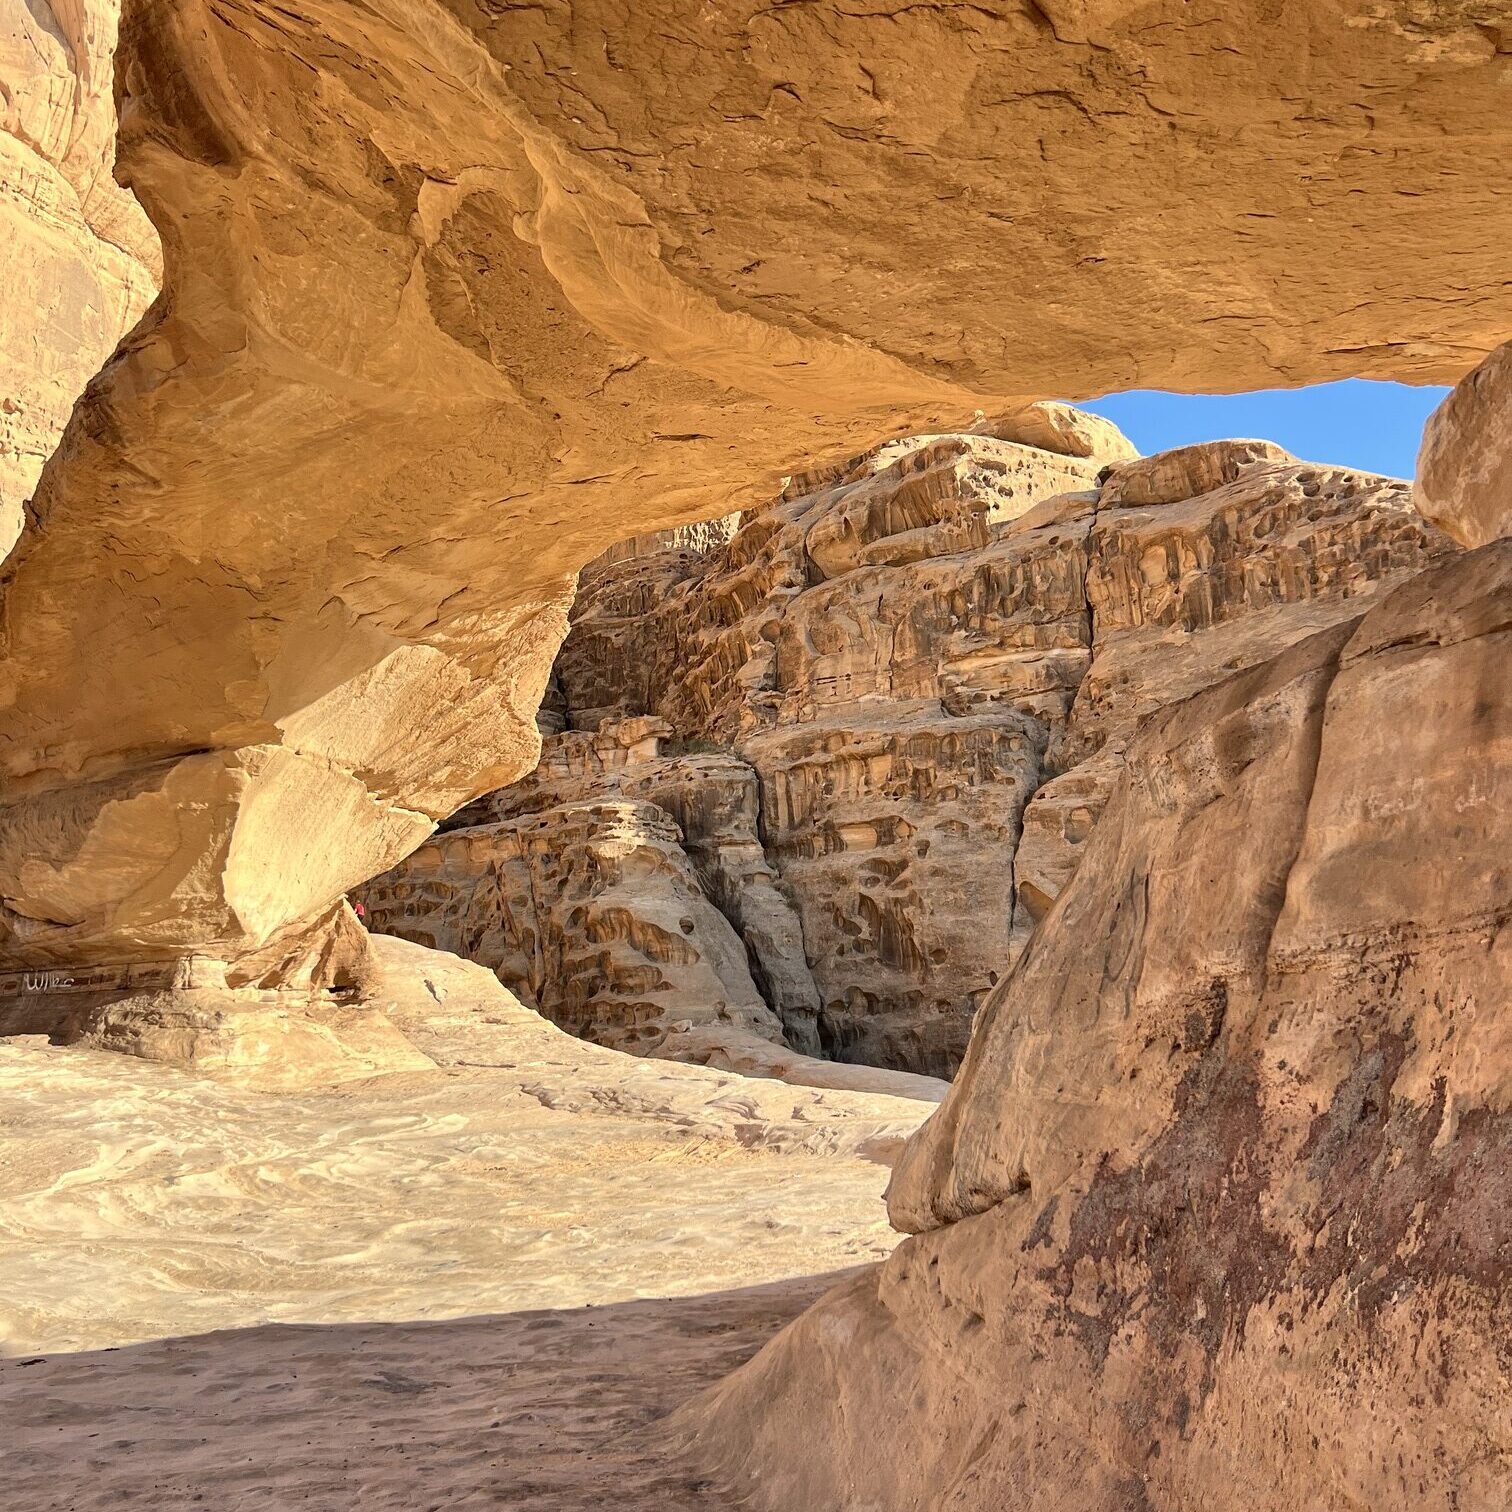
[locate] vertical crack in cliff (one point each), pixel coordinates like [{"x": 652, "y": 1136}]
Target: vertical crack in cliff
[{"x": 1089, "y": 547}]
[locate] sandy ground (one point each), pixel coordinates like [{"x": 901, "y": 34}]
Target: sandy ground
[
  {"x": 553, "y": 1411},
  {"x": 159, "y": 1228}
]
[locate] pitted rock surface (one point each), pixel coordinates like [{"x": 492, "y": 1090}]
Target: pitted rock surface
[{"x": 912, "y": 681}]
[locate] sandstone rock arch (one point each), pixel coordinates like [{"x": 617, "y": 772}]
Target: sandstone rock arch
[{"x": 456, "y": 293}]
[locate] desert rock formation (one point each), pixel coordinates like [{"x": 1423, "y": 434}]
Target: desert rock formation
[
  {"x": 1221, "y": 1196},
  {"x": 868, "y": 734},
  {"x": 1217, "y": 1211},
  {"x": 587, "y": 889},
  {"x": 82, "y": 261},
  {"x": 1465, "y": 469},
  {"x": 456, "y": 294}
]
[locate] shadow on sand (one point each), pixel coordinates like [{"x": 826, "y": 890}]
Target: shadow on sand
[{"x": 546, "y": 1410}]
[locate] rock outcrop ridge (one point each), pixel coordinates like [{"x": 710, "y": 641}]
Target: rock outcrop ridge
[
  {"x": 874, "y": 728},
  {"x": 587, "y": 890}
]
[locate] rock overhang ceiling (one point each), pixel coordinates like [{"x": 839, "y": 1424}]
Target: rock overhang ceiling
[{"x": 455, "y": 294}]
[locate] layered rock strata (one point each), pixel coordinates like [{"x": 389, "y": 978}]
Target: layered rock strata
[
  {"x": 874, "y": 729},
  {"x": 576, "y": 889},
  {"x": 456, "y": 294}
]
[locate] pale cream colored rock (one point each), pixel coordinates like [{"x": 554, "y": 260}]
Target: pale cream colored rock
[
  {"x": 1063, "y": 429},
  {"x": 1464, "y": 473},
  {"x": 733, "y": 1050},
  {"x": 501, "y": 1258},
  {"x": 589, "y": 910},
  {"x": 932, "y": 497},
  {"x": 485, "y": 888},
  {"x": 504, "y": 1167},
  {"x": 261, "y": 1039},
  {"x": 699, "y": 538},
  {"x": 81, "y": 260}
]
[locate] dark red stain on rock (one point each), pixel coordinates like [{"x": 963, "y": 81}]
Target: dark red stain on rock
[{"x": 1180, "y": 1247}]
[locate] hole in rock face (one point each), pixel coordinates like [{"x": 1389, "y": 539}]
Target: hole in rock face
[{"x": 1376, "y": 427}]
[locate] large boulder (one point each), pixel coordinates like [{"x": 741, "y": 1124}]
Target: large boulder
[
  {"x": 1219, "y": 1211},
  {"x": 1464, "y": 477}
]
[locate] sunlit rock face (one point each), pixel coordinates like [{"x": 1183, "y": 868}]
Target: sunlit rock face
[
  {"x": 809, "y": 842},
  {"x": 1192, "y": 584},
  {"x": 575, "y": 887},
  {"x": 1217, "y": 1212},
  {"x": 455, "y": 295},
  {"x": 879, "y": 722},
  {"x": 1465, "y": 469},
  {"x": 81, "y": 260}
]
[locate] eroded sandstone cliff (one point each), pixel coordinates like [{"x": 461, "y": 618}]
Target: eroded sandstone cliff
[
  {"x": 866, "y": 735},
  {"x": 457, "y": 293}
]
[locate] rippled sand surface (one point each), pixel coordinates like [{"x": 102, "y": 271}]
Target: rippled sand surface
[{"x": 154, "y": 1223}]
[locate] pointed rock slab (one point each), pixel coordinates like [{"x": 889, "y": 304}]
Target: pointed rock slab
[{"x": 1220, "y": 1204}]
